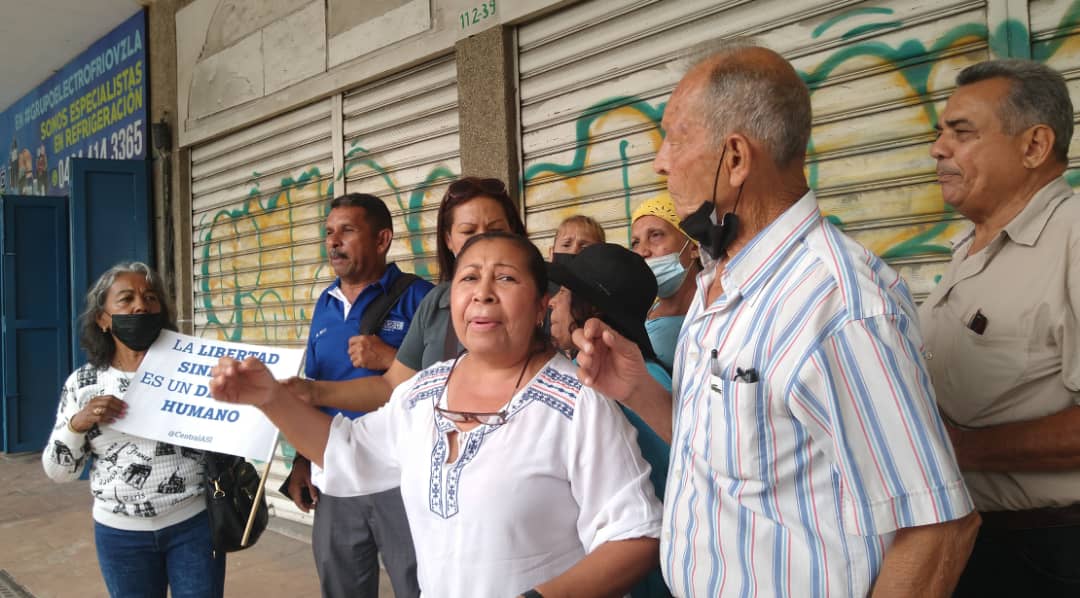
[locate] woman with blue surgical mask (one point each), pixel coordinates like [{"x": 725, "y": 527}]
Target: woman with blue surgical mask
[{"x": 671, "y": 255}]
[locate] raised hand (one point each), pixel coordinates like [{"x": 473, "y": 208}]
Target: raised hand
[
  {"x": 249, "y": 382},
  {"x": 607, "y": 361}
]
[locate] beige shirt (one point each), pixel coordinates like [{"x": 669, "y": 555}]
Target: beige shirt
[{"x": 1025, "y": 365}]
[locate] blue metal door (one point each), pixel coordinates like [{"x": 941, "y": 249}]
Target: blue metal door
[
  {"x": 36, "y": 317},
  {"x": 110, "y": 223}
]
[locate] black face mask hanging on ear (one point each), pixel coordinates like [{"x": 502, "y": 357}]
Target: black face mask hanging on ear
[
  {"x": 701, "y": 226},
  {"x": 137, "y": 331}
]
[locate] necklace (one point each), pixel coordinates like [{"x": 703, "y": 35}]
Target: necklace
[{"x": 482, "y": 417}]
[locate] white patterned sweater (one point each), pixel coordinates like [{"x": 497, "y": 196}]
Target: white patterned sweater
[{"x": 138, "y": 484}]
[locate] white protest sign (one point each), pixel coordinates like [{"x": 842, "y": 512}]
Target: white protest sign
[{"x": 169, "y": 397}]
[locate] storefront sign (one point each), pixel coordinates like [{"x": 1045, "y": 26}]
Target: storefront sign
[{"x": 93, "y": 107}]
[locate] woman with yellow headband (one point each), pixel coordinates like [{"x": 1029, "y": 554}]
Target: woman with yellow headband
[{"x": 671, "y": 255}]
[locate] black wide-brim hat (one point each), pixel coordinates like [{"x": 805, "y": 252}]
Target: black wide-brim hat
[{"x": 617, "y": 282}]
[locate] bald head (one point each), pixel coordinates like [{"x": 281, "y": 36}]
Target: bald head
[{"x": 753, "y": 91}]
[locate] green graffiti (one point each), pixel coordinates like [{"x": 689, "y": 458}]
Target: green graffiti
[
  {"x": 232, "y": 328},
  {"x": 913, "y": 53},
  {"x": 1069, "y": 24},
  {"x": 288, "y": 451},
  {"x": 917, "y": 245},
  {"x": 871, "y": 10},
  {"x": 269, "y": 306},
  {"x": 870, "y": 28},
  {"x": 913, "y": 61},
  {"x": 917, "y": 66},
  {"x": 584, "y": 123},
  {"x": 1010, "y": 38},
  {"x": 412, "y": 206},
  {"x": 625, "y": 182},
  {"x": 582, "y": 127}
]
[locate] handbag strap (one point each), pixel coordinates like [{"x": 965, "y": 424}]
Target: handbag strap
[{"x": 451, "y": 347}]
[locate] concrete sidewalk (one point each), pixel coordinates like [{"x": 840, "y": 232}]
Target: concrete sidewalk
[{"x": 47, "y": 543}]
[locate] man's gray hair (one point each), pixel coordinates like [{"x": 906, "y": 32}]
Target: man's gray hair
[
  {"x": 760, "y": 103},
  {"x": 1037, "y": 96}
]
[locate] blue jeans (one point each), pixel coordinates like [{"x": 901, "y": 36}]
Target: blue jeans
[{"x": 145, "y": 564}]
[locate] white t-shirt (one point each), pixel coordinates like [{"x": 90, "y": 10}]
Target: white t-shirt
[{"x": 523, "y": 502}]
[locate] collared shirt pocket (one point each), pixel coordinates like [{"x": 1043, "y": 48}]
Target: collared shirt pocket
[
  {"x": 737, "y": 420},
  {"x": 975, "y": 371}
]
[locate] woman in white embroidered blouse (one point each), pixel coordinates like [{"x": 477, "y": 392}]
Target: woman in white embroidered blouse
[{"x": 504, "y": 459}]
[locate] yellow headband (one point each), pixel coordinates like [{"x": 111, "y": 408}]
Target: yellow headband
[{"x": 661, "y": 207}]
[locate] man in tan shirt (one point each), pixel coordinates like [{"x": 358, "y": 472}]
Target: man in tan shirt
[{"x": 1002, "y": 331}]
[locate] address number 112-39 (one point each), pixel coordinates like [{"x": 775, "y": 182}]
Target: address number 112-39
[{"x": 477, "y": 14}]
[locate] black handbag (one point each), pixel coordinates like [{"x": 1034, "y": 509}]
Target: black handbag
[{"x": 230, "y": 487}]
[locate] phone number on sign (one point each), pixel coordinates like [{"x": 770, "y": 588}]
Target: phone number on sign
[{"x": 127, "y": 143}]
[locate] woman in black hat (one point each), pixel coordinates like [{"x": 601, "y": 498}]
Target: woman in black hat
[{"x": 616, "y": 285}]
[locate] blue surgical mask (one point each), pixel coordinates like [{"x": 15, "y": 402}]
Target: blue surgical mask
[{"x": 669, "y": 272}]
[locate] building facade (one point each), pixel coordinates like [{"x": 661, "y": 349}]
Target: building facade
[{"x": 282, "y": 105}]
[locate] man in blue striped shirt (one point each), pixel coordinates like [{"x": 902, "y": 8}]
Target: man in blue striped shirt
[{"x": 807, "y": 454}]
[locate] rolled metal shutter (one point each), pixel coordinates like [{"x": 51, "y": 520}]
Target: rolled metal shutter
[
  {"x": 258, "y": 210},
  {"x": 1055, "y": 41},
  {"x": 402, "y": 144},
  {"x": 595, "y": 78},
  {"x": 260, "y": 198},
  {"x": 258, "y": 206}
]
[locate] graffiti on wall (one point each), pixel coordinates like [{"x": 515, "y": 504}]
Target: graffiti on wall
[
  {"x": 915, "y": 65},
  {"x": 247, "y": 256},
  {"x": 408, "y": 202},
  {"x": 252, "y": 256},
  {"x": 262, "y": 264}
]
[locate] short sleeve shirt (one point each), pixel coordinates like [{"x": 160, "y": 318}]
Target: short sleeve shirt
[
  {"x": 1025, "y": 364},
  {"x": 805, "y": 430},
  {"x": 425, "y": 343},
  {"x": 331, "y": 328}
]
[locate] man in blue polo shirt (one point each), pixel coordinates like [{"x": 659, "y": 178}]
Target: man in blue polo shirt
[{"x": 350, "y": 532}]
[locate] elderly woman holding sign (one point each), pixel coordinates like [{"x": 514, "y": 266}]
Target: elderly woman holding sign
[
  {"x": 150, "y": 524},
  {"x": 517, "y": 479}
]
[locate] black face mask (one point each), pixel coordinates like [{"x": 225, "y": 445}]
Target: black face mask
[
  {"x": 713, "y": 238},
  {"x": 137, "y": 331}
]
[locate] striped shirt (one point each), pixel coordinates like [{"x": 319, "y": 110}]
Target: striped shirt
[{"x": 794, "y": 484}]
